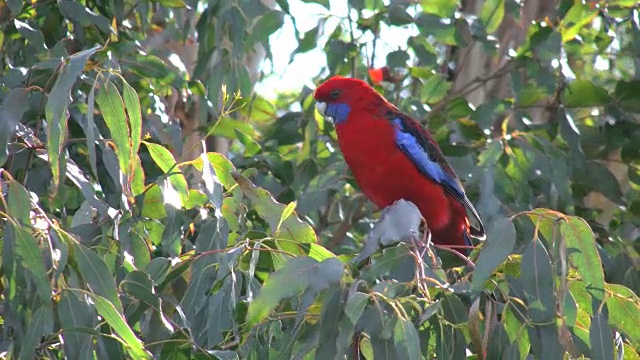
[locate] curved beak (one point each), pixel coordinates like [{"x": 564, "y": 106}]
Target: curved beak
[{"x": 322, "y": 109}]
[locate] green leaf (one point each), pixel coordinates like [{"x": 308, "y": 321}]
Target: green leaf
[
  {"x": 584, "y": 93},
  {"x": 329, "y": 322},
  {"x": 14, "y": 105},
  {"x": 624, "y": 312},
  {"x": 271, "y": 211},
  {"x": 227, "y": 127},
  {"x": 601, "y": 337},
  {"x": 583, "y": 255},
  {"x": 577, "y": 18},
  {"x": 454, "y": 310},
  {"x": 153, "y": 204},
  {"x": 32, "y": 35},
  {"x": 138, "y": 179},
  {"x": 165, "y": 161},
  {"x": 39, "y": 325},
  {"x": 266, "y": 25},
  {"x": 308, "y": 42},
  {"x": 114, "y": 318},
  {"x": 171, "y": 3},
  {"x": 500, "y": 241},
  {"x": 537, "y": 278},
  {"x": 112, "y": 108},
  {"x": 251, "y": 147},
  {"x": 627, "y": 95},
  {"x": 397, "y": 59},
  {"x": 604, "y": 182},
  {"x": 75, "y": 314},
  {"x": 149, "y": 66},
  {"x": 623, "y": 3},
  {"x": 302, "y": 274},
  {"x": 90, "y": 131},
  {"x": 441, "y": 8},
  {"x": 97, "y": 275},
  {"x": 492, "y": 14},
  {"x": 132, "y": 105},
  {"x": 434, "y": 89},
  {"x": 31, "y": 259},
  {"x": 406, "y": 339},
  {"x": 223, "y": 167},
  {"x": 398, "y": 15},
  {"x": 138, "y": 284},
  {"x": 56, "y": 110},
  {"x": 314, "y": 251},
  {"x": 19, "y": 203},
  {"x": 355, "y": 305},
  {"x": 286, "y": 212},
  {"x": 76, "y": 12},
  {"x": 529, "y": 95},
  {"x": 158, "y": 269}
]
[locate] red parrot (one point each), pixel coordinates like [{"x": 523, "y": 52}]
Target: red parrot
[{"x": 393, "y": 157}]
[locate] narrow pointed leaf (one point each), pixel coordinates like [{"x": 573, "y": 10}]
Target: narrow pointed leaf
[
  {"x": 112, "y": 108},
  {"x": 601, "y": 337},
  {"x": 56, "y": 109},
  {"x": 132, "y": 105},
  {"x": 500, "y": 241},
  {"x": 97, "y": 275},
  {"x": 537, "y": 280},
  {"x": 114, "y": 318}
]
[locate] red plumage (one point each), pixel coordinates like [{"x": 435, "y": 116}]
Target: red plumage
[{"x": 368, "y": 127}]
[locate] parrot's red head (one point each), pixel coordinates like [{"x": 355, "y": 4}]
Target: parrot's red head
[{"x": 338, "y": 96}]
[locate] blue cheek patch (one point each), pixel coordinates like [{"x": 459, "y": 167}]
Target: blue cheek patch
[
  {"x": 338, "y": 111},
  {"x": 420, "y": 157}
]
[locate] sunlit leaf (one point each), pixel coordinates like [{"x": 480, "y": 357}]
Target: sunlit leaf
[
  {"x": 442, "y": 8},
  {"x": 492, "y": 14},
  {"x": 56, "y": 110},
  {"x": 164, "y": 159},
  {"x": 223, "y": 167},
  {"x": 114, "y": 318},
  {"x": 271, "y": 211},
  {"x": 583, "y": 254},
  {"x": 582, "y": 93},
  {"x": 113, "y": 112},
  {"x": 578, "y": 17},
  {"x": 624, "y": 312}
]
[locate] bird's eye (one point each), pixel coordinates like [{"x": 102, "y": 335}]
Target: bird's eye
[{"x": 335, "y": 94}]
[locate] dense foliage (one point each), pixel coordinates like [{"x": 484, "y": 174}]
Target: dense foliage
[{"x": 116, "y": 243}]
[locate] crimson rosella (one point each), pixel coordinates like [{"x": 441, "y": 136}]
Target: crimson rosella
[{"x": 393, "y": 157}]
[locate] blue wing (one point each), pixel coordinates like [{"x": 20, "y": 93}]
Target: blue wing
[{"x": 414, "y": 141}]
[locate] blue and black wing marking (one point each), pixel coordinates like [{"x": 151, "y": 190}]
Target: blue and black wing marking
[{"x": 414, "y": 142}]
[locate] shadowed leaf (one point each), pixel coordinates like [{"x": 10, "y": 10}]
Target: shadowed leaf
[
  {"x": 537, "y": 280},
  {"x": 298, "y": 275},
  {"x": 500, "y": 241}
]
